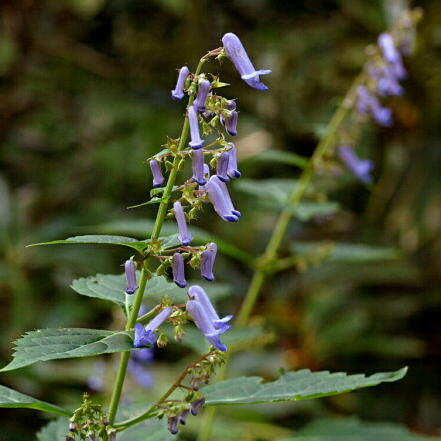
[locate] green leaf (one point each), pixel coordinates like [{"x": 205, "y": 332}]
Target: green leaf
[
  {"x": 52, "y": 344},
  {"x": 150, "y": 202},
  {"x": 292, "y": 386},
  {"x": 151, "y": 430},
  {"x": 271, "y": 192},
  {"x": 138, "y": 245},
  {"x": 281, "y": 157},
  {"x": 10, "y": 398},
  {"x": 111, "y": 287},
  {"x": 308, "y": 209},
  {"x": 348, "y": 252},
  {"x": 351, "y": 429}
]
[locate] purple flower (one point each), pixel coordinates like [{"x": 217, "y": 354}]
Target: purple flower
[
  {"x": 361, "y": 168},
  {"x": 155, "y": 167},
  {"x": 230, "y": 123},
  {"x": 222, "y": 167},
  {"x": 232, "y": 171},
  {"x": 130, "y": 270},
  {"x": 391, "y": 55},
  {"x": 173, "y": 425},
  {"x": 183, "y": 416},
  {"x": 237, "y": 54},
  {"x": 178, "y": 270},
  {"x": 207, "y": 261},
  {"x": 142, "y": 376},
  {"x": 184, "y": 236},
  {"x": 366, "y": 102},
  {"x": 197, "y": 293},
  {"x": 143, "y": 356},
  {"x": 145, "y": 336},
  {"x": 205, "y": 325},
  {"x": 197, "y": 158},
  {"x": 178, "y": 92},
  {"x": 196, "y": 141},
  {"x": 201, "y": 98},
  {"x": 387, "y": 83},
  {"x": 218, "y": 194},
  {"x": 196, "y": 405},
  {"x": 96, "y": 380}
]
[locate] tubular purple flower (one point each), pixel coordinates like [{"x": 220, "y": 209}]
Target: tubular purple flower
[
  {"x": 201, "y": 97},
  {"x": 224, "y": 190},
  {"x": 178, "y": 92},
  {"x": 196, "y": 141},
  {"x": 221, "y": 200},
  {"x": 391, "y": 54},
  {"x": 183, "y": 416},
  {"x": 197, "y": 293},
  {"x": 207, "y": 261},
  {"x": 145, "y": 336},
  {"x": 366, "y": 102},
  {"x": 205, "y": 325},
  {"x": 230, "y": 123},
  {"x": 232, "y": 171},
  {"x": 184, "y": 236},
  {"x": 130, "y": 270},
  {"x": 222, "y": 167},
  {"x": 237, "y": 54},
  {"x": 197, "y": 160},
  {"x": 173, "y": 425},
  {"x": 361, "y": 168},
  {"x": 178, "y": 270},
  {"x": 196, "y": 406},
  {"x": 155, "y": 167}
]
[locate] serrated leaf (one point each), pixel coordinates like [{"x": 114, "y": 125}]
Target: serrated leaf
[
  {"x": 292, "y": 386},
  {"x": 52, "y": 344},
  {"x": 281, "y": 157},
  {"x": 99, "y": 239},
  {"x": 348, "y": 252},
  {"x": 10, "y": 398},
  {"x": 151, "y": 430},
  {"x": 111, "y": 287},
  {"x": 351, "y": 429}
]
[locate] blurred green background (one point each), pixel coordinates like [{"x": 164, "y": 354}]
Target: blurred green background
[{"x": 85, "y": 100}]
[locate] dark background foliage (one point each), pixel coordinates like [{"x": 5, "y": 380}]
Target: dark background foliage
[{"x": 84, "y": 99}]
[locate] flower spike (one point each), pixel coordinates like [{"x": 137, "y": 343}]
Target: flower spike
[
  {"x": 207, "y": 261},
  {"x": 361, "y": 168},
  {"x": 199, "y": 102},
  {"x": 158, "y": 178},
  {"x": 184, "y": 236},
  {"x": 196, "y": 141},
  {"x": 237, "y": 54},
  {"x": 178, "y": 270},
  {"x": 178, "y": 92},
  {"x": 130, "y": 271},
  {"x": 197, "y": 160}
]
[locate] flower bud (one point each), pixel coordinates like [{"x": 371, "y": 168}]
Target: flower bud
[
  {"x": 130, "y": 271},
  {"x": 178, "y": 92}
]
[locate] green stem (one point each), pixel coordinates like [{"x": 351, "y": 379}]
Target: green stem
[
  {"x": 271, "y": 250},
  {"x": 162, "y": 211}
]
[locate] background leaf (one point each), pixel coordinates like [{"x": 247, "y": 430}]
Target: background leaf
[
  {"x": 293, "y": 386},
  {"x": 51, "y": 344},
  {"x": 352, "y": 429},
  {"x": 10, "y": 398}
]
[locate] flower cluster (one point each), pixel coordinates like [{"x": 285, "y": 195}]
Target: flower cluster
[{"x": 382, "y": 76}]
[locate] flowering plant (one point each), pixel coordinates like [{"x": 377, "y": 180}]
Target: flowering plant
[{"x": 160, "y": 261}]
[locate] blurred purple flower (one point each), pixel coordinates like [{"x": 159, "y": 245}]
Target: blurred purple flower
[
  {"x": 178, "y": 92},
  {"x": 361, "y": 168},
  {"x": 237, "y": 54},
  {"x": 367, "y": 102}
]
